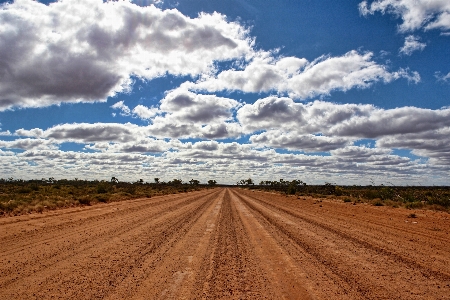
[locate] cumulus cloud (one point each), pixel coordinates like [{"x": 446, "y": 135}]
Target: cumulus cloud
[
  {"x": 124, "y": 110},
  {"x": 88, "y": 133},
  {"x": 220, "y": 131},
  {"x": 202, "y": 109},
  {"x": 415, "y": 14},
  {"x": 412, "y": 44},
  {"x": 185, "y": 114},
  {"x": 344, "y": 120},
  {"x": 6, "y": 153},
  {"x": 28, "y": 144},
  {"x": 300, "y": 78},
  {"x": 271, "y": 112},
  {"x": 35, "y": 132},
  {"x": 226, "y": 162},
  {"x": 49, "y": 56},
  {"x": 140, "y": 111},
  {"x": 5, "y": 133},
  {"x": 294, "y": 141},
  {"x": 304, "y": 118},
  {"x": 146, "y": 145},
  {"x": 211, "y": 150},
  {"x": 88, "y": 158},
  {"x": 144, "y": 112},
  {"x": 437, "y": 140},
  {"x": 433, "y": 144},
  {"x": 383, "y": 122}
]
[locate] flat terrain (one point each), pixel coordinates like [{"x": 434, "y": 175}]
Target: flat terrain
[{"x": 226, "y": 244}]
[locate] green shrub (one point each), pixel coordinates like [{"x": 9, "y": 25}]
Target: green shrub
[
  {"x": 378, "y": 203},
  {"x": 39, "y": 208},
  {"x": 102, "y": 198},
  {"x": 442, "y": 200},
  {"x": 386, "y": 193},
  {"x": 412, "y": 205},
  {"x": 102, "y": 188},
  {"x": 24, "y": 190},
  {"x": 84, "y": 201},
  {"x": 371, "y": 194},
  {"x": 339, "y": 191}
]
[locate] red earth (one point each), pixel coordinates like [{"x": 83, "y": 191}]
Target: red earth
[{"x": 226, "y": 244}]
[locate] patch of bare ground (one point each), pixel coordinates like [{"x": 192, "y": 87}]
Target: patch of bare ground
[{"x": 226, "y": 244}]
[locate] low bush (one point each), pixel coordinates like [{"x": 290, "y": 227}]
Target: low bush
[
  {"x": 378, "y": 203},
  {"x": 412, "y": 205},
  {"x": 84, "y": 201},
  {"x": 21, "y": 197}
]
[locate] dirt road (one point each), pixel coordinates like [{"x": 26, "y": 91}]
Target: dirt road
[{"x": 226, "y": 244}]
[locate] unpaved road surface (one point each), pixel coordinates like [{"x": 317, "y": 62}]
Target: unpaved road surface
[{"x": 226, "y": 244}]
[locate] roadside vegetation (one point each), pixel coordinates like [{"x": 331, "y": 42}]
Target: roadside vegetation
[
  {"x": 21, "y": 197},
  {"x": 430, "y": 197}
]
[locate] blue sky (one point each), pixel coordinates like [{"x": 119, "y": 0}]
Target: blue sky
[{"x": 349, "y": 92}]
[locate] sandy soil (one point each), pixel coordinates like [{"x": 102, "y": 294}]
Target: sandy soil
[{"x": 226, "y": 244}]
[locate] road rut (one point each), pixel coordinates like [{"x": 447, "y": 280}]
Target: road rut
[{"x": 226, "y": 243}]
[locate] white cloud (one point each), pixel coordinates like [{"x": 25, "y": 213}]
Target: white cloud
[
  {"x": 200, "y": 109},
  {"x": 144, "y": 112},
  {"x": 293, "y": 141},
  {"x": 271, "y": 112},
  {"x": 208, "y": 150},
  {"x": 303, "y": 118},
  {"x": 145, "y": 145},
  {"x": 5, "y": 133},
  {"x": 35, "y": 132},
  {"x": 140, "y": 111},
  {"x": 189, "y": 115},
  {"x": 412, "y": 44},
  {"x": 221, "y": 131},
  {"x": 225, "y": 162},
  {"x": 6, "y": 153},
  {"x": 88, "y": 133},
  {"x": 274, "y": 123},
  {"x": 416, "y": 14},
  {"x": 125, "y": 110},
  {"x": 28, "y": 144},
  {"x": 344, "y": 120},
  {"x": 433, "y": 144},
  {"x": 50, "y": 56},
  {"x": 441, "y": 77},
  {"x": 301, "y": 78},
  {"x": 384, "y": 122},
  {"x": 147, "y": 2}
]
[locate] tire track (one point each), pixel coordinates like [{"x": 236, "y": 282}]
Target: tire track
[
  {"x": 175, "y": 276},
  {"x": 362, "y": 266},
  {"x": 218, "y": 244},
  {"x": 81, "y": 240},
  {"x": 427, "y": 272},
  {"x": 103, "y": 252},
  {"x": 21, "y": 240},
  {"x": 232, "y": 272},
  {"x": 286, "y": 279}
]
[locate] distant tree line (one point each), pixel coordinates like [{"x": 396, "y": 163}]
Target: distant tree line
[{"x": 410, "y": 196}]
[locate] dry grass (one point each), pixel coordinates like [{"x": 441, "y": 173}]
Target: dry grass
[
  {"x": 19, "y": 197},
  {"x": 411, "y": 197}
]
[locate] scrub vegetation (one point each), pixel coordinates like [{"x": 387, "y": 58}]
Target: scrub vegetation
[
  {"x": 21, "y": 197},
  {"x": 431, "y": 197}
]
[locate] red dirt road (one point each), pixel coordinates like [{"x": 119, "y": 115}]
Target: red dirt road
[{"x": 226, "y": 244}]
